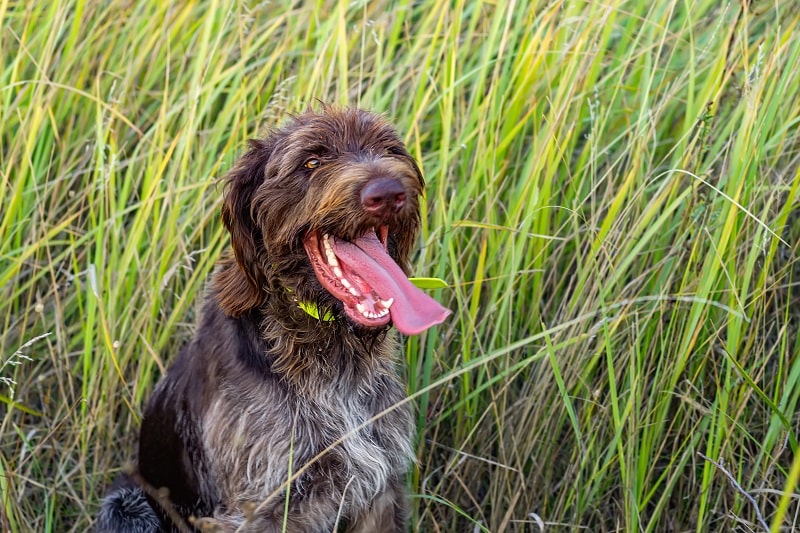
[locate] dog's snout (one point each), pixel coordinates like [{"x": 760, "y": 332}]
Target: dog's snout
[{"x": 382, "y": 197}]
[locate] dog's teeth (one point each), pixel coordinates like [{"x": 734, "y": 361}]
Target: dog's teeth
[
  {"x": 329, "y": 251},
  {"x": 387, "y": 303},
  {"x": 361, "y": 308},
  {"x": 353, "y": 290},
  {"x": 345, "y": 283},
  {"x": 338, "y": 272},
  {"x": 331, "y": 257}
]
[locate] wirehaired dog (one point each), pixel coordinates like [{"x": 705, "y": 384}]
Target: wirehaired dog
[{"x": 277, "y": 414}]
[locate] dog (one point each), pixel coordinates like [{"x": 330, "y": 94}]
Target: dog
[{"x": 285, "y": 411}]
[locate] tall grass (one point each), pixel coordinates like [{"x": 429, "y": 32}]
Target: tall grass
[{"x": 612, "y": 195}]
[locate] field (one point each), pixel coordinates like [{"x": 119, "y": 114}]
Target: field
[{"x": 613, "y": 192}]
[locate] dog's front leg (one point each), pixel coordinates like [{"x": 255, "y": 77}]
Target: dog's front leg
[{"x": 171, "y": 458}]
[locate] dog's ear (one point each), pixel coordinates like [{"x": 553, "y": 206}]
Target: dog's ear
[{"x": 239, "y": 285}]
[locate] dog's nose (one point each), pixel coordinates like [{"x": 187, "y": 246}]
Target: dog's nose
[{"x": 382, "y": 197}]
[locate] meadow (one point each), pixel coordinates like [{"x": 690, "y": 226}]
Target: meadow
[{"x": 612, "y": 196}]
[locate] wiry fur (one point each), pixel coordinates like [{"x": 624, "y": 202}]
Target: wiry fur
[
  {"x": 128, "y": 505},
  {"x": 263, "y": 387}
]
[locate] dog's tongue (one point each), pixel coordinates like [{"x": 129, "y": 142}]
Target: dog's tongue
[{"x": 413, "y": 311}]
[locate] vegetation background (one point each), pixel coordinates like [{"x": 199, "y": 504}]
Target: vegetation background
[{"x": 612, "y": 196}]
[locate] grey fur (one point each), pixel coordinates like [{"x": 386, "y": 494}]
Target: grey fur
[{"x": 126, "y": 510}]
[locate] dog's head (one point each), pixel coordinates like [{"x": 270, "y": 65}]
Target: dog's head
[{"x": 326, "y": 209}]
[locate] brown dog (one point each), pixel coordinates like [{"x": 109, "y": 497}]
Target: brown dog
[{"x": 267, "y": 419}]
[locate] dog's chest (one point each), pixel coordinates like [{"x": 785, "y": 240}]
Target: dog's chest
[
  {"x": 367, "y": 451},
  {"x": 256, "y": 443}
]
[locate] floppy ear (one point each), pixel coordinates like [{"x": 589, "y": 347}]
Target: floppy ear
[{"x": 239, "y": 285}]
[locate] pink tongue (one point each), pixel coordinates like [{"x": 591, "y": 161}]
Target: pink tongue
[{"x": 413, "y": 311}]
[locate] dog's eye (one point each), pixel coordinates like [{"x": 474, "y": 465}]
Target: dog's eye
[{"x": 312, "y": 163}]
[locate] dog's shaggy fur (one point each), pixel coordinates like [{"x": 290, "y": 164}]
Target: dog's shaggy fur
[{"x": 264, "y": 387}]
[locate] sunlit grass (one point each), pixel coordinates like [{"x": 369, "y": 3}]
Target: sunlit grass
[{"x": 612, "y": 197}]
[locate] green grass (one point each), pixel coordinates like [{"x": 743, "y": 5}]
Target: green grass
[{"x": 613, "y": 194}]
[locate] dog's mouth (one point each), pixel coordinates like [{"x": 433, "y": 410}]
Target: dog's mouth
[{"x": 371, "y": 286}]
